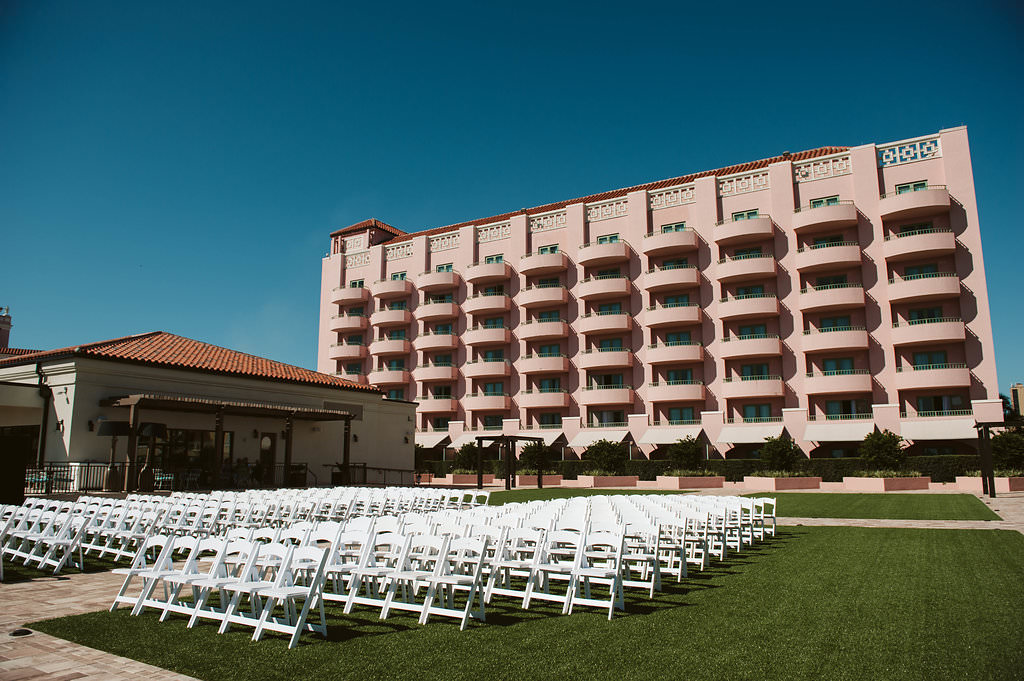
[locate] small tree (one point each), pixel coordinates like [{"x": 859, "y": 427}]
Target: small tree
[
  {"x": 883, "y": 451},
  {"x": 607, "y": 456},
  {"x": 537, "y": 455},
  {"x": 465, "y": 458},
  {"x": 687, "y": 454},
  {"x": 780, "y": 453},
  {"x": 1008, "y": 449}
]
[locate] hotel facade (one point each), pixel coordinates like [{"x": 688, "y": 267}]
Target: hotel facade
[{"x": 823, "y": 294}]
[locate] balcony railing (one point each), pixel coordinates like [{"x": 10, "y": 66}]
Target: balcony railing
[
  {"x": 602, "y": 277},
  {"x": 603, "y": 243},
  {"x": 841, "y": 417},
  {"x": 666, "y": 268},
  {"x": 543, "y": 354},
  {"x": 487, "y": 394},
  {"x": 824, "y": 205},
  {"x": 543, "y": 391},
  {"x": 489, "y": 360},
  {"x": 608, "y": 424},
  {"x": 731, "y": 220},
  {"x": 677, "y": 422},
  {"x": 666, "y": 306},
  {"x": 838, "y": 372},
  {"x": 731, "y": 379},
  {"x": 911, "y": 191},
  {"x": 747, "y": 296},
  {"x": 749, "y": 336},
  {"x": 669, "y": 231},
  {"x": 755, "y": 419},
  {"x": 930, "y": 367},
  {"x": 923, "y": 275},
  {"x": 590, "y": 350},
  {"x": 673, "y": 344},
  {"x": 929, "y": 320},
  {"x": 617, "y": 386},
  {"x": 657, "y": 383},
  {"x": 915, "y": 232},
  {"x": 558, "y": 320},
  {"x": 533, "y": 287},
  {"x": 832, "y": 287},
  {"x": 602, "y": 314},
  {"x": 829, "y": 329},
  {"x": 936, "y": 414},
  {"x": 748, "y": 256},
  {"x": 830, "y": 244}
]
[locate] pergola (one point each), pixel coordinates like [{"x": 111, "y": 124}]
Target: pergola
[
  {"x": 506, "y": 443},
  {"x": 221, "y": 408}
]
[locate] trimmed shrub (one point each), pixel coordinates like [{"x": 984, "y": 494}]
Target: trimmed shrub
[
  {"x": 687, "y": 453},
  {"x": 780, "y": 453},
  {"x": 605, "y": 455},
  {"x": 537, "y": 455},
  {"x": 1008, "y": 449},
  {"x": 882, "y": 451}
]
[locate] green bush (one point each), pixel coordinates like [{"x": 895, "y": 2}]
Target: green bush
[
  {"x": 688, "y": 453},
  {"x": 538, "y": 455},
  {"x": 781, "y": 453},
  {"x": 1008, "y": 449},
  {"x": 883, "y": 451},
  {"x": 605, "y": 455},
  {"x": 465, "y": 458},
  {"x": 886, "y": 474},
  {"x": 685, "y": 473},
  {"x": 783, "y": 474}
]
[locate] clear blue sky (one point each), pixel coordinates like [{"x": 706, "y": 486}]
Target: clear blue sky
[{"x": 179, "y": 165}]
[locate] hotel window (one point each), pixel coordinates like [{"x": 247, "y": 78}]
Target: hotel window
[
  {"x": 920, "y": 270},
  {"x": 494, "y": 355},
  {"x": 606, "y": 380},
  {"x": 679, "y": 376},
  {"x": 548, "y": 316},
  {"x": 677, "y": 263},
  {"x": 741, "y": 253},
  {"x": 395, "y": 365},
  {"x": 827, "y": 201},
  {"x": 745, "y": 215},
  {"x": 497, "y": 388},
  {"x": 832, "y": 280},
  {"x": 608, "y": 274},
  {"x": 755, "y": 330},
  {"x": 757, "y": 411},
  {"x": 442, "y": 360},
  {"x": 396, "y": 394},
  {"x": 398, "y": 305},
  {"x": 680, "y": 414},
  {"x": 677, "y": 338},
  {"x": 355, "y": 311},
  {"x": 922, "y": 313},
  {"x": 834, "y": 323},
  {"x": 610, "y": 344},
  {"x": 908, "y": 187},
  {"x": 494, "y": 323},
  {"x": 757, "y": 290},
  {"x": 494, "y": 259},
  {"x": 356, "y": 283},
  {"x": 921, "y": 227},
  {"x": 353, "y": 368},
  {"x": 446, "y": 298},
  {"x": 549, "y": 350},
  {"x": 396, "y": 334},
  {"x": 841, "y": 407},
  {"x": 443, "y": 329},
  {"x": 608, "y": 239},
  {"x": 940, "y": 403},
  {"x": 837, "y": 365},
  {"x": 754, "y": 370},
  {"x": 447, "y": 267},
  {"x": 604, "y": 418},
  {"x": 440, "y": 423},
  {"x": 609, "y": 308},
  {"x": 398, "y": 276},
  {"x": 831, "y": 240},
  {"x": 442, "y": 391},
  {"x": 494, "y": 290},
  {"x": 550, "y": 385},
  {"x": 354, "y": 339},
  {"x": 934, "y": 358},
  {"x": 492, "y": 421},
  {"x": 677, "y": 301},
  {"x": 676, "y": 227},
  {"x": 548, "y": 283},
  {"x": 551, "y": 248},
  {"x": 550, "y": 419}
]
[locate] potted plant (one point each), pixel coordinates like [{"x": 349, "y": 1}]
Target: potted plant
[{"x": 885, "y": 454}]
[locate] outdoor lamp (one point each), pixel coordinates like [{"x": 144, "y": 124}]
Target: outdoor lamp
[
  {"x": 152, "y": 431},
  {"x": 114, "y": 430}
]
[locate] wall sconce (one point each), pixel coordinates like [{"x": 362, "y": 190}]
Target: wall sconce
[
  {"x": 59, "y": 426},
  {"x": 255, "y": 434},
  {"x": 355, "y": 438},
  {"x": 92, "y": 426},
  {"x": 406, "y": 439}
]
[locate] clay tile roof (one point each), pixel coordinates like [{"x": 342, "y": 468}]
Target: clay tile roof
[
  {"x": 163, "y": 349},
  {"x": 11, "y": 352},
  {"x": 617, "y": 193},
  {"x": 367, "y": 224}
]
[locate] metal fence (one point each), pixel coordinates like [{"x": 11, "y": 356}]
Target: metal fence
[{"x": 60, "y": 478}]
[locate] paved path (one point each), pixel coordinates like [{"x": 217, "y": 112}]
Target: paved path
[{"x": 40, "y": 657}]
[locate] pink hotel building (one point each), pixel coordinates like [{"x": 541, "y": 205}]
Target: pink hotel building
[{"x": 823, "y": 293}]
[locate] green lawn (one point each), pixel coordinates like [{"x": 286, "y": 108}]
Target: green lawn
[
  {"x": 815, "y": 603},
  {"x": 894, "y": 506},
  {"x": 521, "y": 495}
]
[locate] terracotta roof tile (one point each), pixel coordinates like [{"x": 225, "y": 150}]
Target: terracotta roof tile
[
  {"x": 367, "y": 224},
  {"x": 163, "y": 349},
  {"x": 10, "y": 352}
]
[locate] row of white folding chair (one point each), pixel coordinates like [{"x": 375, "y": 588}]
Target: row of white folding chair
[{"x": 50, "y": 541}]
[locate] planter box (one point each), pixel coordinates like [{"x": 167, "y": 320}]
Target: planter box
[
  {"x": 694, "y": 482},
  {"x": 780, "y": 484},
  {"x": 463, "y": 479},
  {"x": 971, "y": 484},
  {"x": 607, "y": 480},
  {"x": 886, "y": 484},
  {"x": 531, "y": 480}
]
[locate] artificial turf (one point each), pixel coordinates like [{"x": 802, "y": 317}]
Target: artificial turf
[
  {"x": 522, "y": 495},
  {"x": 814, "y": 603},
  {"x": 894, "y": 506}
]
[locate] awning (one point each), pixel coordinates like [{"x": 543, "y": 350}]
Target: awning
[
  {"x": 939, "y": 429},
  {"x": 667, "y": 435},
  {"x": 549, "y": 436},
  {"x": 463, "y": 440},
  {"x": 750, "y": 433},
  {"x": 207, "y": 405},
  {"x": 839, "y": 431},
  {"x": 585, "y": 438},
  {"x": 431, "y": 439}
]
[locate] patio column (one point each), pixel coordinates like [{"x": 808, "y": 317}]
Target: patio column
[
  {"x": 130, "y": 479},
  {"x": 288, "y": 429},
  {"x": 346, "y": 453},
  {"x": 218, "y": 445}
]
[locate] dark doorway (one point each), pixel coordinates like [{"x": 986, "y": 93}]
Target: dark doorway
[
  {"x": 17, "y": 449},
  {"x": 268, "y": 457}
]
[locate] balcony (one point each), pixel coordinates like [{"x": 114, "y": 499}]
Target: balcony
[
  {"x": 832, "y": 297},
  {"x": 387, "y": 346},
  {"x": 751, "y": 305},
  {"x": 346, "y": 295},
  {"x": 598, "y": 358},
  {"x": 828, "y": 256},
  {"x": 671, "y": 277},
  {"x": 487, "y": 303},
  {"x": 838, "y": 382},
  {"x": 347, "y": 351},
  {"x": 933, "y": 376},
  {"x": 663, "y": 243},
  {"x": 750, "y": 229},
  {"x": 430, "y": 312},
  {"x": 597, "y": 395},
  {"x": 436, "y": 341},
  {"x": 920, "y": 243},
  {"x": 745, "y": 267},
  {"x": 734, "y": 387},
  {"x": 593, "y": 254},
  {"x": 674, "y": 352},
  {"x": 542, "y": 364},
  {"x": 543, "y": 296},
  {"x": 347, "y": 323},
  {"x": 431, "y": 373},
  {"x": 483, "y": 335},
  {"x": 487, "y": 368},
  {"x": 920, "y": 331},
  {"x": 930, "y": 286},
  {"x": 532, "y": 330},
  {"x": 838, "y": 338},
  {"x": 355, "y": 378},
  {"x": 543, "y": 263},
  {"x": 932, "y": 200},
  {"x": 597, "y": 288},
  {"x": 391, "y": 318},
  {"x": 438, "y": 281},
  {"x": 388, "y": 377},
  {"x": 486, "y": 402},
  {"x": 391, "y": 288},
  {"x": 482, "y": 273},
  {"x": 673, "y": 314},
  {"x": 604, "y": 322},
  {"x": 675, "y": 391},
  {"x": 822, "y": 218},
  {"x": 428, "y": 404},
  {"x": 543, "y": 399},
  {"x": 753, "y": 345}
]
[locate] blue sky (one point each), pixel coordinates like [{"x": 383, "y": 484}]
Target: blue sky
[{"x": 179, "y": 166}]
